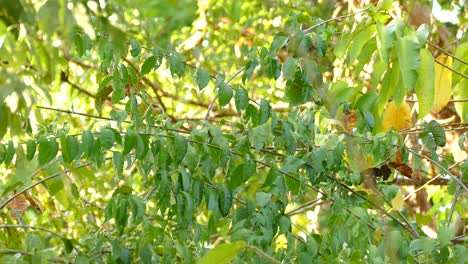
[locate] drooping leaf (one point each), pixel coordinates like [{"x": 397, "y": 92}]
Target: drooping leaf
[
  {"x": 397, "y": 117},
  {"x": 389, "y": 86},
  {"x": 180, "y": 148},
  {"x": 359, "y": 42},
  {"x": 425, "y": 84},
  {"x": 10, "y": 153},
  {"x": 460, "y": 92},
  {"x": 202, "y": 78},
  {"x": 48, "y": 149},
  {"x": 224, "y": 94},
  {"x": 107, "y": 138},
  {"x": 262, "y": 198},
  {"x": 225, "y": 201},
  {"x": 443, "y": 83},
  {"x": 222, "y": 253},
  {"x": 385, "y": 39},
  {"x": 289, "y": 68},
  {"x": 177, "y": 65},
  {"x": 241, "y": 99},
  {"x": 148, "y": 65},
  {"x": 264, "y": 111},
  {"x": 118, "y": 162},
  {"x": 277, "y": 44},
  {"x": 30, "y": 149},
  {"x": 408, "y": 56},
  {"x": 135, "y": 48}
]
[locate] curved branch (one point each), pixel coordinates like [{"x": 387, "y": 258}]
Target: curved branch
[{"x": 441, "y": 167}]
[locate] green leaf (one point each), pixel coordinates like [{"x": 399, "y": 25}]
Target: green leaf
[
  {"x": 277, "y": 44},
  {"x": 142, "y": 147},
  {"x": 289, "y": 68},
  {"x": 107, "y": 138},
  {"x": 30, "y": 149},
  {"x": 104, "y": 82},
  {"x": 10, "y": 153},
  {"x": 265, "y": 109},
  {"x": 433, "y": 135},
  {"x": 222, "y": 253},
  {"x": 359, "y": 42},
  {"x": 389, "y": 85},
  {"x": 118, "y": 162},
  {"x": 68, "y": 245},
  {"x": 87, "y": 142},
  {"x": 70, "y": 148},
  {"x": 180, "y": 148},
  {"x": 148, "y": 65},
  {"x": 460, "y": 91},
  {"x": 4, "y": 116},
  {"x": 225, "y": 201},
  {"x": 202, "y": 78},
  {"x": 422, "y": 33},
  {"x": 385, "y": 39},
  {"x": 408, "y": 55},
  {"x": 271, "y": 177},
  {"x": 284, "y": 224},
  {"x": 425, "y": 84},
  {"x": 224, "y": 94},
  {"x": 135, "y": 48},
  {"x": 249, "y": 69},
  {"x": 241, "y": 99},
  {"x": 263, "y": 198},
  {"x": 177, "y": 65},
  {"x": 130, "y": 142},
  {"x": 321, "y": 45},
  {"x": 47, "y": 149}
]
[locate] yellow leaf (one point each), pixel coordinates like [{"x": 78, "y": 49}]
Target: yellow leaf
[
  {"x": 443, "y": 83},
  {"x": 398, "y": 201},
  {"x": 397, "y": 117}
]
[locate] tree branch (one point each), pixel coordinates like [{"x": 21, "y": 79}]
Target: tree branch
[
  {"x": 452, "y": 69},
  {"x": 262, "y": 254},
  {"x": 338, "y": 18},
  {"x": 441, "y": 167},
  {"x": 447, "y": 53}
]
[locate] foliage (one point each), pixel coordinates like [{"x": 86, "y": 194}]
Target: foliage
[{"x": 243, "y": 131}]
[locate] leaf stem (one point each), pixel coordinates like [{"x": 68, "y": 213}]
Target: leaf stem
[{"x": 338, "y": 18}]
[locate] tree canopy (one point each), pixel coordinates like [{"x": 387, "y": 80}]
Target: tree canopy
[{"x": 233, "y": 131}]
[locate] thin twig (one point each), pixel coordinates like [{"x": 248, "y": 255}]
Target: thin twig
[
  {"x": 430, "y": 181},
  {"x": 9, "y": 251},
  {"x": 36, "y": 228},
  {"x": 263, "y": 254},
  {"x": 441, "y": 167},
  {"x": 102, "y": 117},
  {"x": 447, "y": 53},
  {"x": 452, "y": 69},
  {"x": 303, "y": 207},
  {"x": 338, "y": 18}
]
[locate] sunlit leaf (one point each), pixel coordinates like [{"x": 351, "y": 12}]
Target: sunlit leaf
[
  {"x": 222, "y": 253},
  {"x": 425, "y": 84},
  {"x": 396, "y": 117},
  {"x": 408, "y": 55},
  {"x": 443, "y": 83},
  {"x": 148, "y": 65}
]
